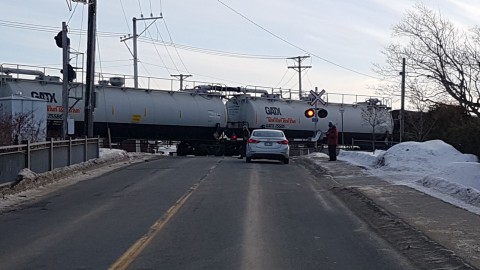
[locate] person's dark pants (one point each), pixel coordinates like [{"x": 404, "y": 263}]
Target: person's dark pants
[
  {"x": 332, "y": 152},
  {"x": 243, "y": 150}
]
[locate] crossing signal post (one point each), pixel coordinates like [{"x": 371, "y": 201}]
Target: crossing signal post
[{"x": 316, "y": 113}]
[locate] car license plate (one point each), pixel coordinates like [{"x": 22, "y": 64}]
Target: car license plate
[{"x": 268, "y": 143}]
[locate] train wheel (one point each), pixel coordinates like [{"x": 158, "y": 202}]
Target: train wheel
[
  {"x": 182, "y": 149},
  {"x": 200, "y": 150},
  {"x": 220, "y": 150}
]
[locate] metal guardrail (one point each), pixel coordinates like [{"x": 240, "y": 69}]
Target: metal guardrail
[{"x": 45, "y": 156}]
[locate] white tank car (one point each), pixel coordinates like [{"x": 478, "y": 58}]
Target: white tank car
[
  {"x": 129, "y": 112},
  {"x": 288, "y": 115}
]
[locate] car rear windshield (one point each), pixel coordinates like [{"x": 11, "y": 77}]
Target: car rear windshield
[{"x": 267, "y": 133}]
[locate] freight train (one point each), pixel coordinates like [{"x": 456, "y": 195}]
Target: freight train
[{"x": 203, "y": 120}]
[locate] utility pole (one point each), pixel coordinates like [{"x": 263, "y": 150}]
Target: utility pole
[
  {"x": 299, "y": 69},
  {"x": 66, "y": 81},
  {"x": 182, "y": 77},
  {"x": 135, "y": 52},
  {"x": 402, "y": 106},
  {"x": 90, "y": 73}
]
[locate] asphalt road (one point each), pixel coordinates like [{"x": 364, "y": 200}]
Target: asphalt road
[{"x": 193, "y": 213}]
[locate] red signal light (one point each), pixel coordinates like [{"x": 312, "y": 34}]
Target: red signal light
[{"x": 309, "y": 113}]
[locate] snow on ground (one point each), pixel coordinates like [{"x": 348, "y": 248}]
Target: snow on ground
[{"x": 433, "y": 167}]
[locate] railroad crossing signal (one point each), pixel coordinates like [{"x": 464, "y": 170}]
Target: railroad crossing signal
[
  {"x": 317, "y": 97},
  {"x": 322, "y": 113},
  {"x": 310, "y": 112}
]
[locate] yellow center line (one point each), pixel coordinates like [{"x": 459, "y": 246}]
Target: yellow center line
[{"x": 132, "y": 253}]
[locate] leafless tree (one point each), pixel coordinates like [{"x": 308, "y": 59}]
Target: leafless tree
[
  {"x": 375, "y": 116},
  {"x": 443, "y": 62},
  {"x": 6, "y": 128},
  {"x": 21, "y": 126}
]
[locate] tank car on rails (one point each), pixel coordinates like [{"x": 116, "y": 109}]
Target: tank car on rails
[{"x": 203, "y": 120}]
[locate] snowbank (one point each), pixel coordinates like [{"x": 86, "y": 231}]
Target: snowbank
[{"x": 434, "y": 167}]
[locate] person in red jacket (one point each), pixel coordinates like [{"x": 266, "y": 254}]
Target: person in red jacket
[{"x": 332, "y": 141}]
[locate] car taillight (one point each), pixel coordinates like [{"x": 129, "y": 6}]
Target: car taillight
[
  {"x": 234, "y": 138},
  {"x": 283, "y": 142},
  {"x": 253, "y": 141}
]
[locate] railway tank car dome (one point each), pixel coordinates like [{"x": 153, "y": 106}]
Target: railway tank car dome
[{"x": 117, "y": 81}]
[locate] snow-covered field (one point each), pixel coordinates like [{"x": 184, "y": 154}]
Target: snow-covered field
[{"x": 433, "y": 167}]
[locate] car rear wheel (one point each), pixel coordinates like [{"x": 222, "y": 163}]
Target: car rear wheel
[
  {"x": 249, "y": 160},
  {"x": 286, "y": 161}
]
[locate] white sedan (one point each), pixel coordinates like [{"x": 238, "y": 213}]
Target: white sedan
[{"x": 268, "y": 144}]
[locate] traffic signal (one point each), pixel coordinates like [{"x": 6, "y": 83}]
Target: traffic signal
[
  {"x": 309, "y": 113},
  {"x": 58, "y": 39},
  {"x": 322, "y": 113},
  {"x": 71, "y": 75}
]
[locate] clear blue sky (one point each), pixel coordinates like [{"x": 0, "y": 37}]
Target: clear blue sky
[{"x": 349, "y": 33}]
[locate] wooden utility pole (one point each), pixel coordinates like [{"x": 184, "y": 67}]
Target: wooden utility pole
[
  {"x": 90, "y": 73},
  {"x": 182, "y": 77},
  {"x": 299, "y": 69}
]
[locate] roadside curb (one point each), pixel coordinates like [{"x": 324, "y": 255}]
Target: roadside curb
[{"x": 379, "y": 204}]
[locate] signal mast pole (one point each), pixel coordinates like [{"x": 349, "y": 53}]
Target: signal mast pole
[
  {"x": 66, "y": 59},
  {"x": 299, "y": 69}
]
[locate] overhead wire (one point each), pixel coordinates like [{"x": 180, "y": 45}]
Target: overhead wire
[
  {"x": 284, "y": 74},
  {"x": 293, "y": 45},
  {"x": 171, "y": 41},
  {"x": 107, "y": 34},
  {"x": 73, "y": 12},
  {"x": 154, "y": 44},
  {"x": 220, "y": 53},
  {"x": 81, "y": 29},
  {"x": 125, "y": 16},
  {"x": 99, "y": 55},
  {"x": 201, "y": 75},
  {"x": 73, "y": 31},
  {"x": 161, "y": 58},
  {"x": 293, "y": 75},
  {"x": 140, "y": 6}
]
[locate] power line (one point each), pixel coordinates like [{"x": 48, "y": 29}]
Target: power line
[
  {"x": 71, "y": 15},
  {"x": 159, "y": 55},
  {"x": 125, "y": 16},
  {"x": 171, "y": 41},
  {"x": 221, "y": 53},
  {"x": 73, "y": 31},
  {"x": 293, "y": 45}
]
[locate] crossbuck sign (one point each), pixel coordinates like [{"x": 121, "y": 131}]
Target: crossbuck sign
[{"x": 317, "y": 97}]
